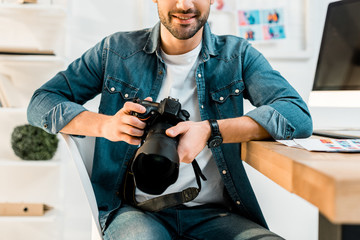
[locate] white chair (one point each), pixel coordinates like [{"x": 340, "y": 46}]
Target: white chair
[{"x": 82, "y": 151}]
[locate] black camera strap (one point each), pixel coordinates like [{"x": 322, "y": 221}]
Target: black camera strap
[{"x": 165, "y": 201}]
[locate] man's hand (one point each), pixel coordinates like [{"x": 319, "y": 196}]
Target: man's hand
[
  {"x": 193, "y": 137},
  {"x": 123, "y": 126}
]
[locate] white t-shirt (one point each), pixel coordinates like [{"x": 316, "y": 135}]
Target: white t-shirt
[{"x": 180, "y": 83}]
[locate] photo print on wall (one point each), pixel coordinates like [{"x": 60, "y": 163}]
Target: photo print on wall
[{"x": 262, "y": 25}]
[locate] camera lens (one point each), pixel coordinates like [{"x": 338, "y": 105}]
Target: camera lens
[
  {"x": 156, "y": 162},
  {"x": 154, "y": 165}
]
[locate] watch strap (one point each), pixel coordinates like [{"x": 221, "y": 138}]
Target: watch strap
[{"x": 215, "y": 133}]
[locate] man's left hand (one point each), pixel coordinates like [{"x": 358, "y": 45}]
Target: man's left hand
[{"x": 193, "y": 137}]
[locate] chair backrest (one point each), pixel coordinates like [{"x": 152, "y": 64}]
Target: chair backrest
[
  {"x": 86, "y": 149},
  {"x": 82, "y": 152}
]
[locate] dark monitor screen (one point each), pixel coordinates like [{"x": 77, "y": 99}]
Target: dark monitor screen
[{"x": 338, "y": 66}]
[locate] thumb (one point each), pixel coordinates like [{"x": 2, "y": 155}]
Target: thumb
[
  {"x": 172, "y": 132},
  {"x": 177, "y": 130}
]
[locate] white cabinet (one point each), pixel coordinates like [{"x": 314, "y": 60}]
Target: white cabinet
[{"x": 27, "y": 32}]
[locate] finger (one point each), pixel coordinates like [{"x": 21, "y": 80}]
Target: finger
[
  {"x": 133, "y": 121},
  {"x": 133, "y": 107},
  {"x": 132, "y": 131},
  {"x": 131, "y": 140},
  {"x": 149, "y": 99},
  {"x": 180, "y": 128}
]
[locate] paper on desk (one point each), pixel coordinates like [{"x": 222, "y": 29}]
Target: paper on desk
[
  {"x": 290, "y": 143},
  {"x": 325, "y": 145}
]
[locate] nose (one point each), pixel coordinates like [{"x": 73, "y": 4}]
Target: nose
[{"x": 184, "y": 4}]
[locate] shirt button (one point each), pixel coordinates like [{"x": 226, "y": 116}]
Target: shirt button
[
  {"x": 126, "y": 95},
  {"x": 221, "y": 98},
  {"x": 45, "y": 125},
  {"x": 160, "y": 72},
  {"x": 237, "y": 91},
  {"x": 112, "y": 89},
  {"x": 224, "y": 172},
  {"x": 199, "y": 75},
  {"x": 202, "y": 106},
  {"x": 238, "y": 202}
]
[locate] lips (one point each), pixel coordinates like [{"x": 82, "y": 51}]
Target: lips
[{"x": 184, "y": 18}]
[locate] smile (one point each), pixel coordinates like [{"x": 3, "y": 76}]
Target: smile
[{"x": 184, "y": 18}]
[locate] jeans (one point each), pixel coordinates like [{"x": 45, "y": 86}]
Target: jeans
[{"x": 200, "y": 222}]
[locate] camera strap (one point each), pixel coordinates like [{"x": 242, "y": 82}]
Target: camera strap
[{"x": 165, "y": 201}]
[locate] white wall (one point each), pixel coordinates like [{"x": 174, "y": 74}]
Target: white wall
[{"x": 91, "y": 20}]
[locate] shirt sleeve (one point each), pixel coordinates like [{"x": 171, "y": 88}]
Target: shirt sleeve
[
  {"x": 280, "y": 109},
  {"x": 59, "y": 100}
]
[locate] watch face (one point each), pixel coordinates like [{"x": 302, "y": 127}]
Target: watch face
[{"x": 215, "y": 142}]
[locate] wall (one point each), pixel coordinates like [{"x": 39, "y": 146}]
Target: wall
[{"x": 92, "y": 20}]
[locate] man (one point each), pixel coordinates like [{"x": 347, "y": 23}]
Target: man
[{"x": 210, "y": 75}]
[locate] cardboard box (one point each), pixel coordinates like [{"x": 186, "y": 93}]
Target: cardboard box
[{"x": 23, "y": 209}]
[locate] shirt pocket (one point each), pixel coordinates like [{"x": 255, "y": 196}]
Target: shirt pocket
[
  {"x": 115, "y": 93},
  {"x": 229, "y": 99}
]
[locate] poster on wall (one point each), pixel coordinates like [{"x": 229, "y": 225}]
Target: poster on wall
[
  {"x": 262, "y": 25},
  {"x": 279, "y": 28}
]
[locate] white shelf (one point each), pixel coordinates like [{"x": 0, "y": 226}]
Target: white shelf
[
  {"x": 30, "y": 58},
  {"x": 30, "y": 27},
  {"x": 26, "y": 28},
  {"x": 34, "y": 7},
  {"x": 6, "y": 162},
  {"x": 12, "y": 111},
  {"x": 48, "y": 226}
]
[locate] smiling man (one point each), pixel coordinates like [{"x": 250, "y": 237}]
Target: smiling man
[{"x": 210, "y": 75}]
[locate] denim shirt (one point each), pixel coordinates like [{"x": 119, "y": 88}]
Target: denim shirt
[{"x": 128, "y": 64}]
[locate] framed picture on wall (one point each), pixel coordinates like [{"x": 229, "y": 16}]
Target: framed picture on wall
[
  {"x": 262, "y": 25},
  {"x": 278, "y": 28}
]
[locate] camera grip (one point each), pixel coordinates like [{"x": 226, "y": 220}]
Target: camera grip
[{"x": 151, "y": 109}]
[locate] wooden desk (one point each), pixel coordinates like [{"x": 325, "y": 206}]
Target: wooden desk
[{"x": 330, "y": 181}]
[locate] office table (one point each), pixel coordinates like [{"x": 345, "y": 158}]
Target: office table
[{"x": 330, "y": 181}]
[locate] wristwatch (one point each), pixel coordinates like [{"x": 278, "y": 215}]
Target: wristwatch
[{"x": 215, "y": 138}]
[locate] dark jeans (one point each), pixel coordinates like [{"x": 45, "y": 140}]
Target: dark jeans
[{"x": 201, "y": 222}]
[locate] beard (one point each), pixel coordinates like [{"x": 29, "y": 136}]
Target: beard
[{"x": 184, "y": 31}]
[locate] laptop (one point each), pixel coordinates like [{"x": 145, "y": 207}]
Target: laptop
[{"x": 334, "y": 101}]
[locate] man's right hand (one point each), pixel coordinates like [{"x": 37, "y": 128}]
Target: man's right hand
[{"x": 123, "y": 126}]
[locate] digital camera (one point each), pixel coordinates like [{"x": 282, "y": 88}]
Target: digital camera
[{"x": 156, "y": 162}]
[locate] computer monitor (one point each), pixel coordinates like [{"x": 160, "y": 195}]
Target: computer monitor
[{"x": 335, "y": 98}]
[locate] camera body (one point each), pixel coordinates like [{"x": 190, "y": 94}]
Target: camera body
[
  {"x": 156, "y": 162},
  {"x": 168, "y": 110}
]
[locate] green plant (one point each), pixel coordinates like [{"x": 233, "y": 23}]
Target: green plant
[{"x": 32, "y": 143}]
